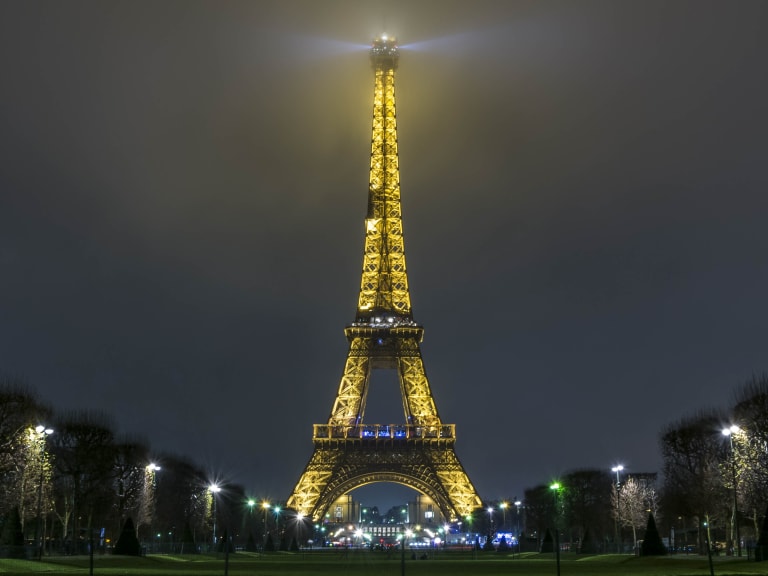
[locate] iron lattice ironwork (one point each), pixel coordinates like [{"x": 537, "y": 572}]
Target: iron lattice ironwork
[{"x": 418, "y": 453}]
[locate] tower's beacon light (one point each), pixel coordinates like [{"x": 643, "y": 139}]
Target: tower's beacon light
[{"x": 384, "y": 53}]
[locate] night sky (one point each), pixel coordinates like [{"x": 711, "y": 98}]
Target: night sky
[{"x": 183, "y": 187}]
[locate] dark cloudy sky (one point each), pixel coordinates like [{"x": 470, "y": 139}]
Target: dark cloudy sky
[{"x": 182, "y": 194}]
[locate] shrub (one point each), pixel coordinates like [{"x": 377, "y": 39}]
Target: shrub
[
  {"x": 652, "y": 544},
  {"x": 12, "y": 537},
  {"x": 547, "y": 545},
  {"x": 761, "y": 550},
  {"x": 128, "y": 544}
]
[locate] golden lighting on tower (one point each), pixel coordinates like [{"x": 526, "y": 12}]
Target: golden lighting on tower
[{"x": 417, "y": 452}]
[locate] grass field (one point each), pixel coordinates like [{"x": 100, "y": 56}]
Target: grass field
[{"x": 359, "y": 563}]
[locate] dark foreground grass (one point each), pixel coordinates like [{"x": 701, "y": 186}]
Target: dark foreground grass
[{"x": 359, "y": 562}]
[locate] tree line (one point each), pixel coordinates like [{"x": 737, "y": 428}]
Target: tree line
[
  {"x": 69, "y": 485},
  {"x": 70, "y": 488},
  {"x": 713, "y": 495}
]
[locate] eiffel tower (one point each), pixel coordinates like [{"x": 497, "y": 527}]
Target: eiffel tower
[{"x": 418, "y": 453}]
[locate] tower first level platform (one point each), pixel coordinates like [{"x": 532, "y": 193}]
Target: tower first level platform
[{"x": 420, "y": 457}]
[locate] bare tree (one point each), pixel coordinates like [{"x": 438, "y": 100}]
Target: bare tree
[
  {"x": 637, "y": 498},
  {"x": 181, "y": 499},
  {"x": 693, "y": 452},
  {"x": 131, "y": 462},
  {"x": 750, "y": 443},
  {"x": 539, "y": 511},
  {"x": 21, "y": 459},
  {"x": 588, "y": 504},
  {"x": 84, "y": 450}
]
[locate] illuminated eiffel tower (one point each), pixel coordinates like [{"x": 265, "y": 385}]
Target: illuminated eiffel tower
[{"x": 418, "y": 453}]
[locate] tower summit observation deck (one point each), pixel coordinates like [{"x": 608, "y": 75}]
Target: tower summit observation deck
[
  {"x": 418, "y": 452},
  {"x": 384, "y": 53}
]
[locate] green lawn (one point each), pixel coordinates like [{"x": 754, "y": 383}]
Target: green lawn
[{"x": 359, "y": 562}]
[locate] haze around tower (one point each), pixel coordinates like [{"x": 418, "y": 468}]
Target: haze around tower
[{"x": 182, "y": 198}]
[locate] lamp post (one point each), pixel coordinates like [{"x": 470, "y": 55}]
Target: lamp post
[
  {"x": 446, "y": 532},
  {"x": 490, "y": 520},
  {"x": 472, "y": 535},
  {"x": 730, "y": 431},
  {"x": 406, "y": 533},
  {"x": 277, "y": 526},
  {"x": 265, "y": 505},
  {"x": 555, "y": 487},
  {"x": 618, "y": 470},
  {"x": 299, "y": 528},
  {"x": 214, "y": 489},
  {"x": 150, "y": 485},
  {"x": 503, "y": 507},
  {"x": 250, "y": 503},
  {"x": 42, "y": 433},
  {"x": 518, "y": 503}
]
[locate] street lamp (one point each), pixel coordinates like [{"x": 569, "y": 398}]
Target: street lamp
[
  {"x": 618, "y": 470},
  {"x": 555, "y": 487},
  {"x": 214, "y": 489},
  {"x": 518, "y": 503},
  {"x": 250, "y": 503},
  {"x": 406, "y": 534},
  {"x": 42, "y": 435},
  {"x": 277, "y": 525},
  {"x": 299, "y": 528},
  {"x": 265, "y": 505},
  {"x": 490, "y": 519},
  {"x": 503, "y": 507},
  {"x": 149, "y": 495},
  {"x": 446, "y": 532},
  {"x": 730, "y": 431}
]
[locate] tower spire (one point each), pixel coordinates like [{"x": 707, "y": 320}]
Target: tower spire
[{"x": 384, "y": 284}]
